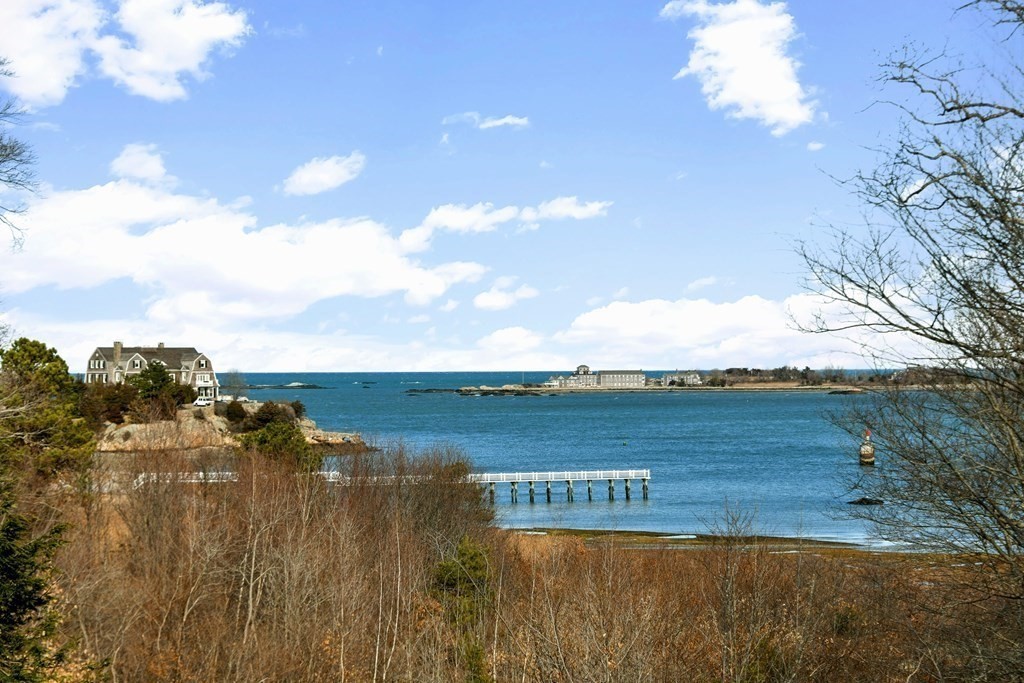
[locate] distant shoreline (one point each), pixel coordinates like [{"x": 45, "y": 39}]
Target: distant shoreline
[
  {"x": 524, "y": 390},
  {"x": 656, "y": 540}
]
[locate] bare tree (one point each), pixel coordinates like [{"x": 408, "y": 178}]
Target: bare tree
[
  {"x": 937, "y": 281},
  {"x": 16, "y": 161},
  {"x": 234, "y": 384}
]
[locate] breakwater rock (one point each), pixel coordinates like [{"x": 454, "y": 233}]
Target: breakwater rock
[
  {"x": 504, "y": 390},
  {"x": 484, "y": 390},
  {"x": 290, "y": 385}
]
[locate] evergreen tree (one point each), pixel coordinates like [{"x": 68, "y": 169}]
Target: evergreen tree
[
  {"x": 152, "y": 381},
  {"x": 28, "y": 617},
  {"x": 40, "y": 424}
]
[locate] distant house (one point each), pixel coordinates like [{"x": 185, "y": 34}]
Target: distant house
[
  {"x": 186, "y": 365},
  {"x": 682, "y": 379}
]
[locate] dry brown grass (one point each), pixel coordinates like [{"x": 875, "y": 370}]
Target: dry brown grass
[{"x": 279, "y": 577}]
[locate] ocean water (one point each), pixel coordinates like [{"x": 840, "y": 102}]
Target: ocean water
[{"x": 772, "y": 454}]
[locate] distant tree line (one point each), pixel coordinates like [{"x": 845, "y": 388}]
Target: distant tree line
[{"x": 786, "y": 373}]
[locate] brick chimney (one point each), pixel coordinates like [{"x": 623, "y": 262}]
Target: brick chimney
[
  {"x": 160, "y": 345},
  {"x": 117, "y": 352}
]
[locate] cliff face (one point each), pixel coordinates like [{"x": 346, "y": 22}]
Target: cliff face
[{"x": 199, "y": 429}]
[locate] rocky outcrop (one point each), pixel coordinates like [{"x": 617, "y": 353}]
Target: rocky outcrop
[
  {"x": 336, "y": 443},
  {"x": 202, "y": 430},
  {"x": 194, "y": 428}
]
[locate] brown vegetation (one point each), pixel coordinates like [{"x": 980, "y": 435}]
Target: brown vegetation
[{"x": 280, "y": 576}]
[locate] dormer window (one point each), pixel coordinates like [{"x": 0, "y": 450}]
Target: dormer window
[
  {"x": 202, "y": 363},
  {"x": 136, "y": 363}
]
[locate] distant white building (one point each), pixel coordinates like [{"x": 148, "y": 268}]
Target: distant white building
[
  {"x": 584, "y": 378},
  {"x": 581, "y": 379},
  {"x": 621, "y": 379}
]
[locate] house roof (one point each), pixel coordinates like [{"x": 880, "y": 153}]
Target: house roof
[{"x": 171, "y": 356}]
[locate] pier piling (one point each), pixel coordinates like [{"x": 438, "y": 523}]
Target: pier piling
[{"x": 489, "y": 479}]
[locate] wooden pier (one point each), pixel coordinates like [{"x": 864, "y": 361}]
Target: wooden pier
[
  {"x": 488, "y": 479},
  {"x": 567, "y": 477}
]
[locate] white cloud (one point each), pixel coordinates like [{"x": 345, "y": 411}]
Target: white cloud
[
  {"x": 449, "y": 306},
  {"x": 276, "y": 349},
  {"x": 510, "y": 340},
  {"x": 546, "y": 164},
  {"x": 740, "y": 56},
  {"x": 175, "y": 245},
  {"x": 445, "y": 143},
  {"x": 324, "y": 173},
  {"x": 701, "y": 283},
  {"x": 142, "y": 162},
  {"x": 484, "y": 217},
  {"x": 380, "y": 50},
  {"x": 513, "y": 121},
  {"x": 167, "y": 39},
  {"x": 474, "y": 119},
  {"x": 296, "y": 31},
  {"x": 621, "y": 293},
  {"x": 676, "y": 9},
  {"x": 419, "y": 319},
  {"x": 752, "y": 332},
  {"x": 501, "y": 296},
  {"x": 564, "y": 207},
  {"x": 815, "y": 146},
  {"x": 913, "y": 190},
  {"x": 148, "y": 46},
  {"x": 46, "y": 42}
]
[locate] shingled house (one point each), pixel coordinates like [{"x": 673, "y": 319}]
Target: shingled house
[{"x": 186, "y": 365}]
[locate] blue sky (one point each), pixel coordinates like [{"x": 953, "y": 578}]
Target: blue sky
[{"x": 384, "y": 185}]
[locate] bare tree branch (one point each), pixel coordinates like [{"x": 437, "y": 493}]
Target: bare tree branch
[{"x": 16, "y": 160}]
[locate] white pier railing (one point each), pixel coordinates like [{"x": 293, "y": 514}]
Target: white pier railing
[
  {"x": 488, "y": 479},
  {"x": 580, "y": 475}
]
